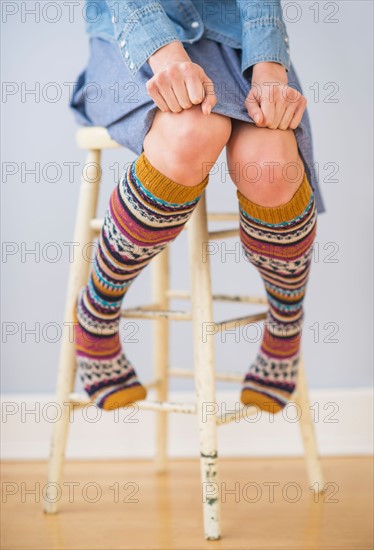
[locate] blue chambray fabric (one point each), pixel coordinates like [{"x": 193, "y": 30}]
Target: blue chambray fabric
[
  {"x": 140, "y": 27},
  {"x": 107, "y": 94}
]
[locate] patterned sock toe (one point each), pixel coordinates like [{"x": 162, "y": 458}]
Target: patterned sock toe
[
  {"x": 272, "y": 378},
  {"x": 107, "y": 375}
]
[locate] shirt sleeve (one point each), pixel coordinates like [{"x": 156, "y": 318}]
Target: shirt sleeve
[
  {"x": 141, "y": 27},
  {"x": 264, "y": 35}
]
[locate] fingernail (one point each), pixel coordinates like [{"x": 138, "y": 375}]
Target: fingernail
[
  {"x": 209, "y": 109},
  {"x": 257, "y": 117}
]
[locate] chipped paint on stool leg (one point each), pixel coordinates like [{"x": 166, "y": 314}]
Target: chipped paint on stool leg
[{"x": 202, "y": 312}]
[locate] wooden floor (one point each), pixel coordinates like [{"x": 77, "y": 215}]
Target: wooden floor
[{"x": 136, "y": 509}]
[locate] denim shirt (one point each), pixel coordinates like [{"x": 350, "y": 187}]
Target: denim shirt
[{"x": 140, "y": 27}]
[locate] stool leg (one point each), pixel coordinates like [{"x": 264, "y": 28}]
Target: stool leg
[
  {"x": 78, "y": 275},
  {"x": 308, "y": 433},
  {"x": 202, "y": 314},
  {"x": 160, "y": 286}
]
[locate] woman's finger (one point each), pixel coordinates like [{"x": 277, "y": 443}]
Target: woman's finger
[
  {"x": 280, "y": 109},
  {"x": 253, "y": 106},
  {"x": 194, "y": 85},
  {"x": 181, "y": 92},
  {"x": 268, "y": 110},
  {"x": 210, "y": 98},
  {"x": 173, "y": 80},
  {"x": 167, "y": 92},
  {"x": 298, "y": 115},
  {"x": 154, "y": 93},
  {"x": 287, "y": 117}
]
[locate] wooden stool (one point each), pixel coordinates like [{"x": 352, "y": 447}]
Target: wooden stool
[{"x": 86, "y": 229}]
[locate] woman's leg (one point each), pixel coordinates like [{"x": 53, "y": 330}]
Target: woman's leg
[
  {"x": 147, "y": 210},
  {"x": 277, "y": 228}
]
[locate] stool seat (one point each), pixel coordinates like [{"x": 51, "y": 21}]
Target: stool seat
[
  {"x": 95, "y": 137},
  {"x": 87, "y": 228}
]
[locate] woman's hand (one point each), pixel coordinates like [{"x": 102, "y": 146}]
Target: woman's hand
[
  {"x": 178, "y": 83},
  {"x": 271, "y": 103}
]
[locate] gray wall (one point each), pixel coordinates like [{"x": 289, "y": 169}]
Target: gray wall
[{"x": 37, "y": 213}]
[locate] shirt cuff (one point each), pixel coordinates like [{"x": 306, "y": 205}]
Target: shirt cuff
[
  {"x": 148, "y": 26},
  {"x": 269, "y": 37}
]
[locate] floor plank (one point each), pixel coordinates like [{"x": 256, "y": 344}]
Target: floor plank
[{"x": 270, "y": 506}]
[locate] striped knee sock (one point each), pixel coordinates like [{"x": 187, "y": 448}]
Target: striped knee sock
[
  {"x": 147, "y": 210},
  {"x": 278, "y": 241}
]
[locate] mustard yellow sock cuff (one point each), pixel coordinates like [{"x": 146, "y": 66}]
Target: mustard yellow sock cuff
[
  {"x": 163, "y": 187},
  {"x": 284, "y": 212}
]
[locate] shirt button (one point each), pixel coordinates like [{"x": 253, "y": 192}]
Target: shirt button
[
  {"x": 132, "y": 65},
  {"x": 127, "y": 55},
  {"x": 286, "y": 39},
  {"x": 195, "y": 24},
  {"x": 123, "y": 43},
  {"x": 114, "y": 20}
]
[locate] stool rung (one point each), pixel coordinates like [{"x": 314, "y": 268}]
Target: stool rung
[
  {"x": 97, "y": 223},
  {"x": 166, "y": 406},
  {"x": 143, "y": 313},
  {"x": 189, "y": 373},
  {"x": 223, "y": 216},
  {"x": 223, "y": 234},
  {"x": 78, "y": 400},
  {"x": 240, "y": 414},
  {"x": 186, "y": 295},
  {"x": 240, "y": 321}
]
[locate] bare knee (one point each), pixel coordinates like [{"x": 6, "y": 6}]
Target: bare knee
[
  {"x": 197, "y": 135},
  {"x": 268, "y": 168},
  {"x": 185, "y": 145}
]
